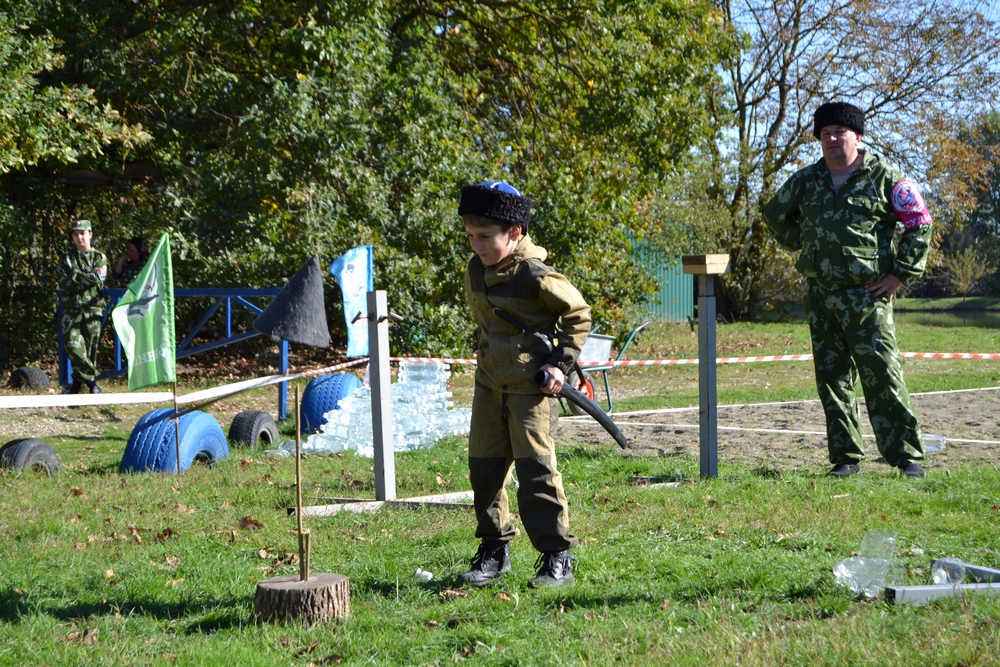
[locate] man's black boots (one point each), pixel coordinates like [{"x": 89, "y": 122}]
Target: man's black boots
[
  {"x": 491, "y": 560},
  {"x": 75, "y": 387},
  {"x": 94, "y": 389},
  {"x": 555, "y": 568}
]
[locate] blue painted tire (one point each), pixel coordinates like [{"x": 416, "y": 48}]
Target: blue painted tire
[
  {"x": 322, "y": 395},
  {"x": 152, "y": 446}
]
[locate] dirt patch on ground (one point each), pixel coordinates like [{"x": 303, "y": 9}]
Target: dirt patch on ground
[{"x": 783, "y": 436}]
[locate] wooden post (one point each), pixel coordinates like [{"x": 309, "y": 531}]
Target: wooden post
[{"x": 706, "y": 267}]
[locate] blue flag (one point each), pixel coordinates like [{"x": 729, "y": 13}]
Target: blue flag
[{"x": 353, "y": 270}]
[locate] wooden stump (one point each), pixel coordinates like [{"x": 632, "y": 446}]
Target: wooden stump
[{"x": 322, "y": 598}]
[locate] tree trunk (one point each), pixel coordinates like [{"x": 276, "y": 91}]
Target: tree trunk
[{"x": 322, "y": 598}]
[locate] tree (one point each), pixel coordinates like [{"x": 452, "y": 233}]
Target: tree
[
  {"x": 916, "y": 68},
  {"x": 966, "y": 270},
  {"x": 283, "y": 129}
]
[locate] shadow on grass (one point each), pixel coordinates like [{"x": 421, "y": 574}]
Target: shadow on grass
[{"x": 194, "y": 618}]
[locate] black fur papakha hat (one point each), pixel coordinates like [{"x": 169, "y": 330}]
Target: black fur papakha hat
[
  {"x": 838, "y": 113},
  {"x": 497, "y": 200}
]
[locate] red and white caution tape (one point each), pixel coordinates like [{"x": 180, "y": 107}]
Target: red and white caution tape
[{"x": 719, "y": 360}]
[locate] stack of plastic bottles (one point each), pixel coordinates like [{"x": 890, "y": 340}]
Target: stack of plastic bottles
[{"x": 421, "y": 414}]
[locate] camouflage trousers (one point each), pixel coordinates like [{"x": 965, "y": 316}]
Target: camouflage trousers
[
  {"x": 516, "y": 429},
  {"x": 81, "y": 330},
  {"x": 853, "y": 336}
]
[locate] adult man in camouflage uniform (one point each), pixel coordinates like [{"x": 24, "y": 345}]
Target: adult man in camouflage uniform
[
  {"x": 81, "y": 273},
  {"x": 842, "y": 213}
]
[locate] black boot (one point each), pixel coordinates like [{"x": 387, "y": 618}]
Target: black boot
[
  {"x": 555, "y": 568},
  {"x": 94, "y": 389},
  {"x": 491, "y": 560},
  {"x": 75, "y": 387}
]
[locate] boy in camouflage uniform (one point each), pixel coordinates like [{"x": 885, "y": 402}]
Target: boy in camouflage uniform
[
  {"x": 515, "y": 299},
  {"x": 81, "y": 273},
  {"x": 842, "y": 213}
]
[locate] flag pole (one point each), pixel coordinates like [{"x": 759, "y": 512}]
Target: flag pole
[{"x": 177, "y": 430}]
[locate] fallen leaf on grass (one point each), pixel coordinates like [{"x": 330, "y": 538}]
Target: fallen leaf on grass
[
  {"x": 109, "y": 574},
  {"x": 665, "y": 605},
  {"x": 251, "y": 523},
  {"x": 711, "y": 538},
  {"x": 433, "y": 624},
  {"x": 184, "y": 509},
  {"x": 174, "y": 583},
  {"x": 503, "y": 596},
  {"x": 135, "y": 534},
  {"x": 76, "y": 491},
  {"x": 263, "y": 554},
  {"x": 76, "y": 517},
  {"x": 449, "y": 594},
  {"x": 166, "y": 533},
  {"x": 308, "y": 649},
  {"x": 86, "y": 637},
  {"x": 840, "y": 495}
]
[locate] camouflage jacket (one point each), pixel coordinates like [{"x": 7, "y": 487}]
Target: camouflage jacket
[
  {"x": 847, "y": 237},
  {"x": 533, "y": 293},
  {"x": 80, "y": 284}
]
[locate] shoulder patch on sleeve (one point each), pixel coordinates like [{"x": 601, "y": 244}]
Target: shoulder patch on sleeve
[{"x": 909, "y": 204}]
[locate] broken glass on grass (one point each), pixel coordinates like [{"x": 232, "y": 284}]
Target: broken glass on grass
[{"x": 875, "y": 566}]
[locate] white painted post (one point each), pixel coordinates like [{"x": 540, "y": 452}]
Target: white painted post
[{"x": 378, "y": 353}]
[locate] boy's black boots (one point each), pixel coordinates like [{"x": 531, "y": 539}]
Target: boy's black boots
[
  {"x": 555, "y": 568},
  {"x": 75, "y": 387},
  {"x": 94, "y": 389},
  {"x": 491, "y": 560}
]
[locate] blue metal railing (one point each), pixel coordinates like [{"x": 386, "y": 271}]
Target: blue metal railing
[{"x": 222, "y": 296}]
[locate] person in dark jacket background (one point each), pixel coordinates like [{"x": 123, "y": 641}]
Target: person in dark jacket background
[{"x": 130, "y": 262}]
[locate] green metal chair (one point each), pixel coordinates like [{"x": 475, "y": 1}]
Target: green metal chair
[{"x": 598, "y": 348}]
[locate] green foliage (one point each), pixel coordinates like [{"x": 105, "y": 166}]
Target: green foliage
[{"x": 282, "y": 129}]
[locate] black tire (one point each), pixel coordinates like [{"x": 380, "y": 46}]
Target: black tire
[
  {"x": 253, "y": 427},
  {"x": 30, "y": 377},
  {"x": 29, "y": 454},
  {"x": 322, "y": 395},
  {"x": 152, "y": 446},
  {"x": 573, "y": 380}
]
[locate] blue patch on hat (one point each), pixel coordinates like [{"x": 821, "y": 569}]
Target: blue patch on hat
[{"x": 502, "y": 186}]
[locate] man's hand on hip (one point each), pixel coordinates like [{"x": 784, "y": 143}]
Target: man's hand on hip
[{"x": 887, "y": 285}]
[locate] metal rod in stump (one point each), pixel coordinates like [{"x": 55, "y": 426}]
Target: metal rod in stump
[
  {"x": 303, "y": 537},
  {"x": 307, "y": 598},
  {"x": 706, "y": 267},
  {"x": 378, "y": 352},
  {"x": 177, "y": 431}
]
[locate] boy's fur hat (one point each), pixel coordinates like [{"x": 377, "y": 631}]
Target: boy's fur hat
[{"x": 497, "y": 200}]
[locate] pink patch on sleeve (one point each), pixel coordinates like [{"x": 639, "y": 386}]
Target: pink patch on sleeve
[{"x": 909, "y": 204}]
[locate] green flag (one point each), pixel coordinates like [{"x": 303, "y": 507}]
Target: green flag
[{"x": 144, "y": 320}]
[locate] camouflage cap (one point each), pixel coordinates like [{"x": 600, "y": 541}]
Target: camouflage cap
[{"x": 80, "y": 226}]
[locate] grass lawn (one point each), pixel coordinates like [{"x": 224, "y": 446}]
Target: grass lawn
[{"x": 152, "y": 569}]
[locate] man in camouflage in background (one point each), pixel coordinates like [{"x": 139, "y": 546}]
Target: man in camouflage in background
[
  {"x": 81, "y": 273},
  {"x": 842, "y": 213}
]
